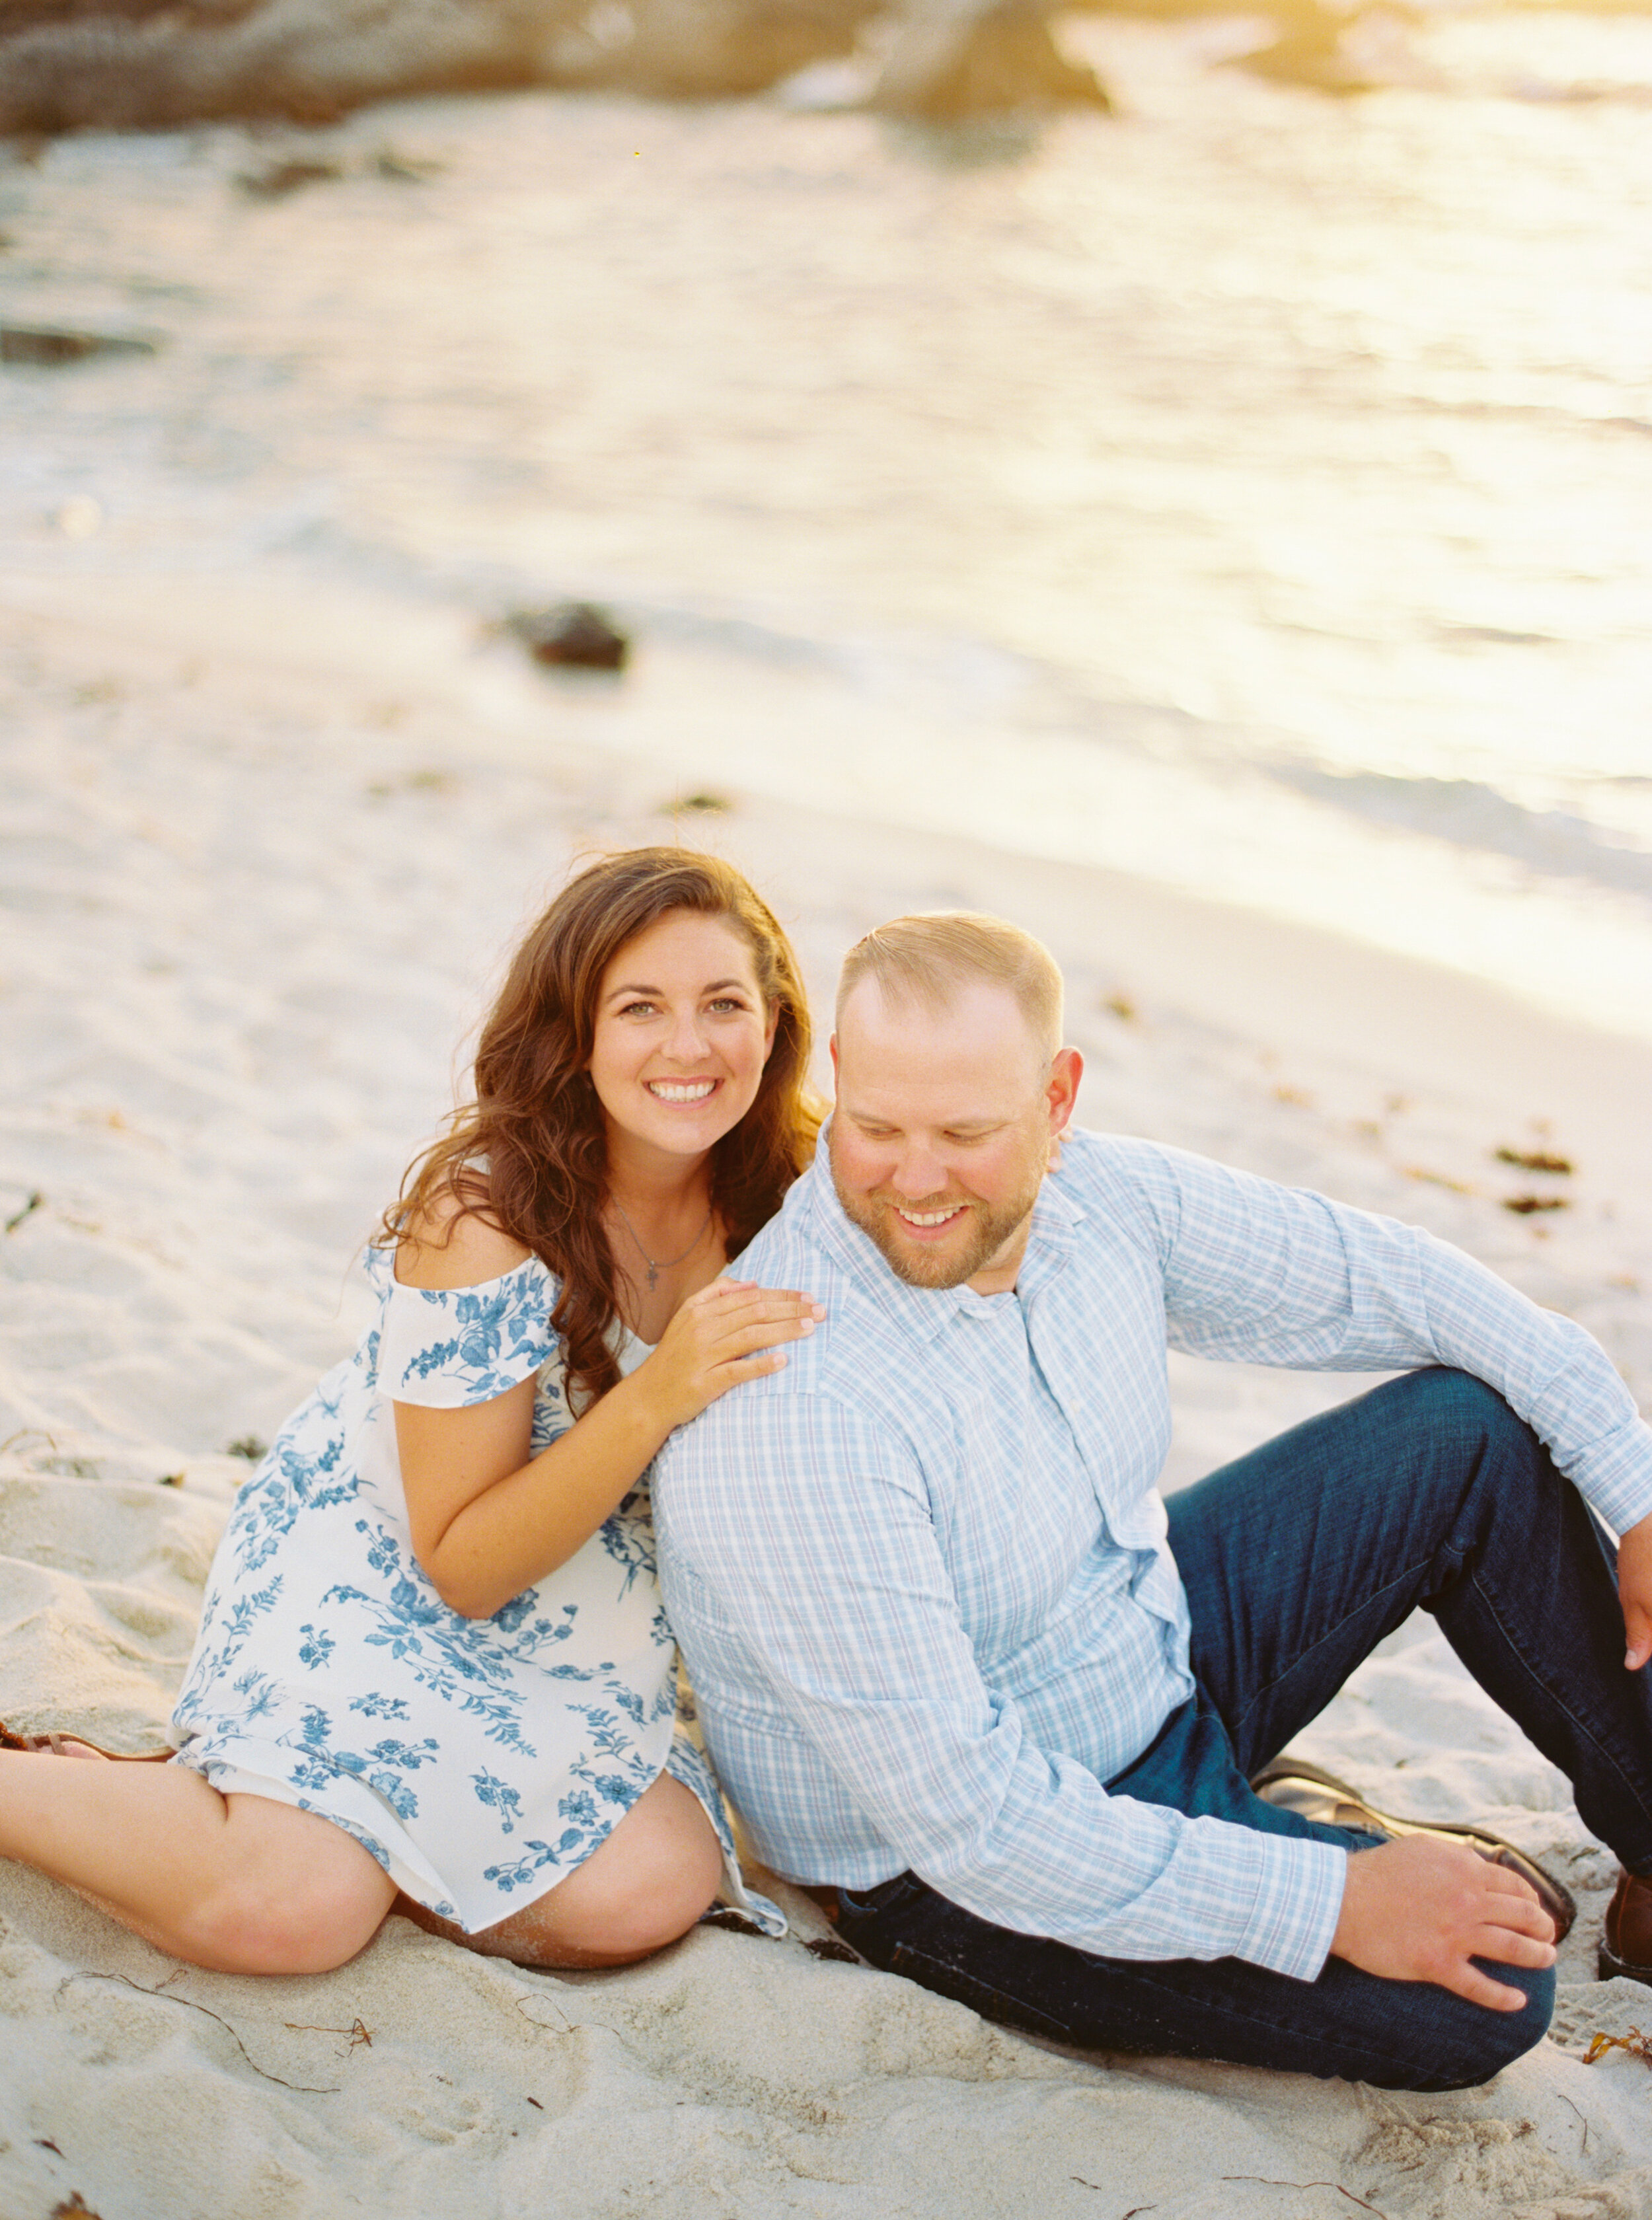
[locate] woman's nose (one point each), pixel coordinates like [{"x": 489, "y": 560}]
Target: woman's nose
[{"x": 686, "y": 1041}]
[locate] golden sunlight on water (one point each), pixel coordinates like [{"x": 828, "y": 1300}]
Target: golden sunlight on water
[{"x": 1251, "y": 490}]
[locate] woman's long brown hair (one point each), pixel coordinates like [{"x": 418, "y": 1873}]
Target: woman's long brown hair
[{"x": 536, "y": 1123}]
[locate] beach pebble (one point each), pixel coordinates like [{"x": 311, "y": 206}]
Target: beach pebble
[
  {"x": 280, "y": 178},
  {"x": 578, "y": 633}
]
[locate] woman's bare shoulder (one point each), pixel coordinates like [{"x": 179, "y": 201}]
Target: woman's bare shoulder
[{"x": 445, "y": 1248}]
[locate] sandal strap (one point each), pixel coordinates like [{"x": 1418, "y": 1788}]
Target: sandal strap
[{"x": 55, "y": 1743}]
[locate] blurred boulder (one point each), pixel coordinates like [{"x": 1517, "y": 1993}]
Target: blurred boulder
[
  {"x": 705, "y": 49},
  {"x": 946, "y": 63},
  {"x": 1332, "y": 49},
  {"x": 66, "y": 65},
  {"x": 120, "y": 64}
]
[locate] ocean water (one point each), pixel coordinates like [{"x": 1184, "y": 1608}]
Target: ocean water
[{"x": 1252, "y": 491}]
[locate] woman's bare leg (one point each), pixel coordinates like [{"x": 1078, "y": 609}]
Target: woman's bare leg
[
  {"x": 645, "y": 1886},
  {"x": 238, "y": 1884}
]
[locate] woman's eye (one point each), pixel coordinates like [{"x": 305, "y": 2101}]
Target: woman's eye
[
  {"x": 724, "y": 1003},
  {"x": 638, "y": 1010}
]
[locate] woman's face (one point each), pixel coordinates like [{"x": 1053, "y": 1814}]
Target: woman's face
[{"x": 682, "y": 1035}]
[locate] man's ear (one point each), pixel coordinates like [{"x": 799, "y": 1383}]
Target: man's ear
[
  {"x": 1061, "y": 1093},
  {"x": 832, "y": 1050}
]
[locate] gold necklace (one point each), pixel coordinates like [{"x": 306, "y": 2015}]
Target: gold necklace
[{"x": 664, "y": 1264}]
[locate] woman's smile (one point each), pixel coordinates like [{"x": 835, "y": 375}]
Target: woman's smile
[{"x": 682, "y": 1035}]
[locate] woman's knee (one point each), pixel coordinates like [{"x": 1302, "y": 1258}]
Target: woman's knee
[
  {"x": 286, "y": 1899},
  {"x": 644, "y": 1888},
  {"x": 647, "y": 1890},
  {"x": 237, "y": 1927}
]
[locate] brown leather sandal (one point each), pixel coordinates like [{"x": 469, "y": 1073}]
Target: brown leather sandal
[
  {"x": 1293, "y": 1785},
  {"x": 52, "y": 1745}
]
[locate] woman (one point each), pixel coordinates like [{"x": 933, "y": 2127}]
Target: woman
[{"x": 432, "y": 1656}]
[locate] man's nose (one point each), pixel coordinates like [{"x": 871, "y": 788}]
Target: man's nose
[{"x": 919, "y": 1174}]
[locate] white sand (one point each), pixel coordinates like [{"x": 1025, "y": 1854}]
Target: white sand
[{"x": 253, "y": 890}]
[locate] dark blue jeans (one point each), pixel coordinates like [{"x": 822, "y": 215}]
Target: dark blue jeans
[{"x": 1297, "y": 1560}]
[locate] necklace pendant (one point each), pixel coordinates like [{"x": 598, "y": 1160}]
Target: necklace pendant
[{"x": 656, "y": 1265}]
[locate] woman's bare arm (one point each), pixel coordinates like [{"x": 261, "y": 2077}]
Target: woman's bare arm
[{"x": 487, "y": 1519}]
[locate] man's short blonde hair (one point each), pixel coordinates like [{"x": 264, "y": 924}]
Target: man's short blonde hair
[{"x": 927, "y": 959}]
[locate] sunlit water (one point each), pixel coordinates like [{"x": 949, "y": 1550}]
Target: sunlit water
[{"x": 1253, "y": 491}]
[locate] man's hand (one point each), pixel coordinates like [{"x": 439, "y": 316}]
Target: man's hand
[
  {"x": 1418, "y": 1909},
  {"x": 1635, "y": 1592}
]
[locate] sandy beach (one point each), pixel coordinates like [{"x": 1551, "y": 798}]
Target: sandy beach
[{"x": 256, "y": 886}]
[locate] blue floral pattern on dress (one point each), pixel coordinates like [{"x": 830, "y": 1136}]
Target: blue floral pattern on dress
[{"x": 479, "y": 1760}]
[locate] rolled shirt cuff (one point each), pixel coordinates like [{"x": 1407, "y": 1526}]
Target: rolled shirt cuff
[
  {"x": 1617, "y": 1485},
  {"x": 1297, "y": 1906}
]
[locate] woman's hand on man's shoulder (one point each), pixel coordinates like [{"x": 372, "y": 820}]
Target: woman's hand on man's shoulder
[
  {"x": 445, "y": 1248},
  {"x": 731, "y": 1331}
]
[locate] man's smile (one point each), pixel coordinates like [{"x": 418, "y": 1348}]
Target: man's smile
[{"x": 925, "y": 1220}]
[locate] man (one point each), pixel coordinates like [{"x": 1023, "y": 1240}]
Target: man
[{"x": 957, "y": 1663}]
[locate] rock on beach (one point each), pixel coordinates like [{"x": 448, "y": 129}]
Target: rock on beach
[{"x": 73, "y": 64}]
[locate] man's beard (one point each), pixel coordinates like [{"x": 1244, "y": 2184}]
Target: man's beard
[{"x": 991, "y": 1226}]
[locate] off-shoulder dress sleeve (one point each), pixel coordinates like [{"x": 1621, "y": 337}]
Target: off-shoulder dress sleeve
[{"x": 448, "y": 1347}]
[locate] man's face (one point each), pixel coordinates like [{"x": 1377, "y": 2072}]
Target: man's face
[{"x": 943, "y": 1129}]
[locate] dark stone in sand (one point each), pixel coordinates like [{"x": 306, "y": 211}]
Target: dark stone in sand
[
  {"x": 572, "y": 632},
  {"x": 43, "y": 348},
  {"x": 281, "y": 178}
]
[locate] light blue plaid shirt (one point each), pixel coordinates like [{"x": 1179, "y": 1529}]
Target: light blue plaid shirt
[{"x": 921, "y": 1576}]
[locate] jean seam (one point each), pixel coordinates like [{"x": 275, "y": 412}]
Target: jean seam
[
  {"x": 1303, "y": 1656},
  {"x": 1048, "y": 2024}
]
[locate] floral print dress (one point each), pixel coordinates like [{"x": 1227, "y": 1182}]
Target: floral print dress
[{"x": 479, "y": 1760}]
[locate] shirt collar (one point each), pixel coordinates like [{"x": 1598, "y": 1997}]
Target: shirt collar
[{"x": 925, "y": 1311}]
